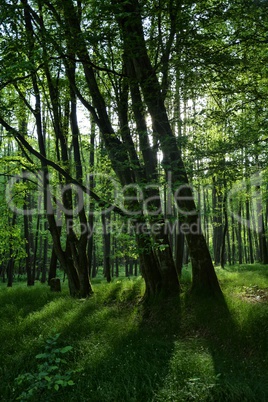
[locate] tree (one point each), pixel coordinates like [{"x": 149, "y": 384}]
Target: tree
[{"x": 204, "y": 276}]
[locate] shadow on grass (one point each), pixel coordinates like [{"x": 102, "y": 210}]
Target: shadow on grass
[
  {"x": 124, "y": 348},
  {"x": 26, "y": 325},
  {"x": 169, "y": 351},
  {"x": 238, "y": 347},
  {"x": 136, "y": 355}
]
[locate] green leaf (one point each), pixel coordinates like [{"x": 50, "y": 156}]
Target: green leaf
[
  {"x": 66, "y": 349},
  {"x": 53, "y": 368},
  {"x": 60, "y": 382},
  {"x": 42, "y": 374},
  {"x": 42, "y": 356}
]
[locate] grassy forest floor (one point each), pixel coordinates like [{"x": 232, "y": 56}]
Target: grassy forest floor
[{"x": 189, "y": 350}]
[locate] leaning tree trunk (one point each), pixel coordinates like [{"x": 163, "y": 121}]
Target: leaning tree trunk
[
  {"x": 145, "y": 173},
  {"x": 74, "y": 259},
  {"x": 129, "y": 18},
  {"x": 118, "y": 151}
]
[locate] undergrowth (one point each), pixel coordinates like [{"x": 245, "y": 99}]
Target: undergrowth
[{"x": 183, "y": 349}]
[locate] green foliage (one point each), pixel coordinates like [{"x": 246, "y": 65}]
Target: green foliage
[{"x": 50, "y": 375}]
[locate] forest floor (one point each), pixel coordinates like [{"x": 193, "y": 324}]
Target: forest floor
[{"x": 184, "y": 349}]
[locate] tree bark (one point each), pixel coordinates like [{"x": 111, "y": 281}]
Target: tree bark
[
  {"x": 129, "y": 18},
  {"x": 120, "y": 152},
  {"x": 106, "y": 246}
]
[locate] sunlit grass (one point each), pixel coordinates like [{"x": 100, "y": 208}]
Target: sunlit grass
[{"x": 188, "y": 350}]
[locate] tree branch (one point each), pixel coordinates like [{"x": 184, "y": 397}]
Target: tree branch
[{"x": 21, "y": 140}]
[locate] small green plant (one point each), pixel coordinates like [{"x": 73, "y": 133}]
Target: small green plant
[{"x": 50, "y": 375}]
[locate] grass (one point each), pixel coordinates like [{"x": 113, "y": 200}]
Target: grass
[{"x": 183, "y": 350}]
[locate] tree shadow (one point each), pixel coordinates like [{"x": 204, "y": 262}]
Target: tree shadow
[
  {"x": 135, "y": 345},
  {"x": 129, "y": 351},
  {"x": 236, "y": 347}
]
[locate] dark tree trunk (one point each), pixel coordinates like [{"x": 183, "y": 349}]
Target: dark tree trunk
[
  {"x": 261, "y": 228},
  {"x": 239, "y": 235},
  {"x": 229, "y": 254},
  {"x": 91, "y": 204},
  {"x": 152, "y": 277},
  {"x": 52, "y": 273},
  {"x": 81, "y": 252},
  {"x": 127, "y": 267},
  {"x": 116, "y": 259},
  {"x": 36, "y": 245},
  {"x": 204, "y": 276},
  {"x": 119, "y": 152},
  {"x": 65, "y": 261},
  {"x": 94, "y": 262},
  {"x": 106, "y": 246},
  {"x": 28, "y": 260},
  {"x": 217, "y": 222},
  {"x": 130, "y": 266},
  {"x": 233, "y": 242},
  {"x": 249, "y": 234},
  {"x": 136, "y": 268},
  {"x": 10, "y": 271},
  {"x": 11, "y": 261},
  {"x": 179, "y": 249},
  {"x": 44, "y": 260},
  {"x": 225, "y": 229}
]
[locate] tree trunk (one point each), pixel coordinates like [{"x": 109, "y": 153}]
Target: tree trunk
[
  {"x": 52, "y": 273},
  {"x": 10, "y": 271},
  {"x": 10, "y": 264},
  {"x": 91, "y": 204},
  {"x": 28, "y": 260},
  {"x": 225, "y": 229},
  {"x": 261, "y": 228},
  {"x": 217, "y": 221},
  {"x": 179, "y": 249},
  {"x": 249, "y": 235},
  {"x": 64, "y": 258},
  {"x": 44, "y": 259},
  {"x": 204, "y": 276},
  {"x": 119, "y": 152},
  {"x": 106, "y": 246}
]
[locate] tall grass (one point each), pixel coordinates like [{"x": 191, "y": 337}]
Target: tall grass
[{"x": 184, "y": 349}]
